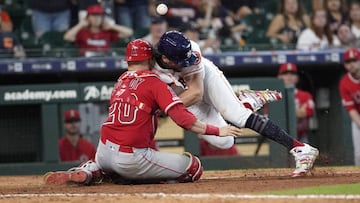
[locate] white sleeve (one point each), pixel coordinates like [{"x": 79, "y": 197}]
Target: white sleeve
[
  {"x": 304, "y": 41},
  {"x": 166, "y": 75}
]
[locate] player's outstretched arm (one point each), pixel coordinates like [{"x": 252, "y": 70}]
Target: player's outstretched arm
[
  {"x": 195, "y": 89},
  {"x": 207, "y": 129},
  {"x": 229, "y": 130},
  {"x": 182, "y": 117}
]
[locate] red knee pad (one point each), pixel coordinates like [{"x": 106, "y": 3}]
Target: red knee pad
[{"x": 193, "y": 171}]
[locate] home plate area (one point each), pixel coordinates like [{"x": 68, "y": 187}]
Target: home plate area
[{"x": 248, "y": 185}]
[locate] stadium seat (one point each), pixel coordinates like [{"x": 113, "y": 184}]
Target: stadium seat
[
  {"x": 121, "y": 43},
  {"x": 54, "y": 45},
  {"x": 69, "y": 49},
  {"x": 26, "y": 25},
  {"x": 307, "y": 6},
  {"x": 140, "y": 32},
  {"x": 118, "y": 48},
  {"x": 256, "y": 34},
  {"x": 28, "y": 39},
  {"x": 17, "y": 13},
  {"x": 269, "y": 6},
  {"x": 53, "y": 38}
]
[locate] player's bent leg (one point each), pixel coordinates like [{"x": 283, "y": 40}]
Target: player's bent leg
[
  {"x": 66, "y": 177},
  {"x": 93, "y": 168},
  {"x": 85, "y": 174},
  {"x": 304, "y": 154},
  {"x": 210, "y": 115},
  {"x": 305, "y": 157},
  {"x": 256, "y": 99},
  {"x": 193, "y": 171},
  {"x": 219, "y": 142}
]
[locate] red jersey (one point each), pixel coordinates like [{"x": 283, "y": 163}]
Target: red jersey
[
  {"x": 96, "y": 42},
  {"x": 349, "y": 89},
  {"x": 304, "y": 98},
  {"x": 84, "y": 150},
  {"x": 129, "y": 125}
]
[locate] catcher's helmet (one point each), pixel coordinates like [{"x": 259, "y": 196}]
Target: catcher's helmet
[
  {"x": 138, "y": 50},
  {"x": 176, "y": 47}
]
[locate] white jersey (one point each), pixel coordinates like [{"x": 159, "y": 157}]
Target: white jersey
[
  {"x": 219, "y": 103},
  {"x": 308, "y": 40}
]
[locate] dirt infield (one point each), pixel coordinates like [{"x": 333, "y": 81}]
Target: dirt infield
[{"x": 215, "y": 186}]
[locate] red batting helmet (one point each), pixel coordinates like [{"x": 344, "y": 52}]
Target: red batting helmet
[
  {"x": 138, "y": 50},
  {"x": 351, "y": 54}
]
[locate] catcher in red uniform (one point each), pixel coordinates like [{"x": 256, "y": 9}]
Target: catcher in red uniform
[{"x": 125, "y": 146}]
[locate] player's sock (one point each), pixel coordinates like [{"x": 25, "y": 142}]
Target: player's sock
[{"x": 269, "y": 129}]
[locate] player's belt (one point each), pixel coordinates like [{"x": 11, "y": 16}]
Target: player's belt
[
  {"x": 113, "y": 146},
  {"x": 126, "y": 149}
]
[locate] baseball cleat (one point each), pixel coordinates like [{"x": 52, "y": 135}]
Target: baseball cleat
[
  {"x": 65, "y": 177},
  {"x": 258, "y": 98},
  {"x": 305, "y": 157}
]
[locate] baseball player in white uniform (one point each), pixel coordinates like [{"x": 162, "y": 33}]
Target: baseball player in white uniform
[{"x": 208, "y": 94}]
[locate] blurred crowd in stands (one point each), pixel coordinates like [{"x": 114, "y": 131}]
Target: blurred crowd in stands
[{"x": 33, "y": 28}]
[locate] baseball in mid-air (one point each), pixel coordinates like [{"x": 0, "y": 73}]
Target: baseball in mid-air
[{"x": 162, "y": 9}]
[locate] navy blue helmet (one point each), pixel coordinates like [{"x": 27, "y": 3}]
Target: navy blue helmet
[{"x": 176, "y": 47}]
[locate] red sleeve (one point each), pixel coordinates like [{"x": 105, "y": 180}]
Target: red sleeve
[
  {"x": 345, "y": 94},
  {"x": 305, "y": 98},
  {"x": 181, "y": 116},
  {"x": 310, "y": 106},
  {"x": 114, "y": 36},
  {"x": 171, "y": 104},
  {"x": 80, "y": 36},
  {"x": 165, "y": 97}
]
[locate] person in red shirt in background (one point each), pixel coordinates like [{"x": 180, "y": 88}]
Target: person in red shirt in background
[
  {"x": 94, "y": 34},
  {"x": 304, "y": 103},
  {"x": 5, "y": 21},
  {"x": 349, "y": 88},
  {"x": 72, "y": 146}
]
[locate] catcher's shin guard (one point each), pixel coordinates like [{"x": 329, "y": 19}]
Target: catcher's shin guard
[{"x": 193, "y": 171}]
